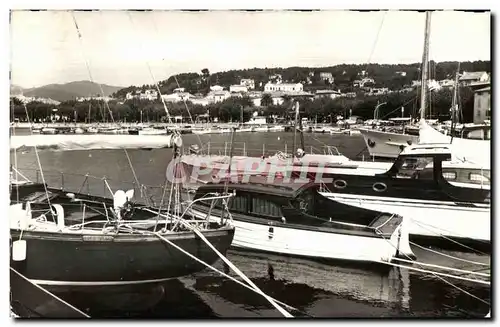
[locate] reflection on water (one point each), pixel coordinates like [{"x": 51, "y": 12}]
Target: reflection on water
[{"x": 314, "y": 288}]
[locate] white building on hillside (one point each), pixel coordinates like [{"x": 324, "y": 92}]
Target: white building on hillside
[
  {"x": 218, "y": 96},
  {"x": 468, "y": 78},
  {"x": 326, "y": 76},
  {"x": 216, "y": 88},
  {"x": 149, "y": 94},
  {"x": 284, "y": 87},
  {"x": 238, "y": 89},
  {"x": 177, "y": 97},
  {"x": 326, "y": 94},
  {"x": 248, "y": 82}
]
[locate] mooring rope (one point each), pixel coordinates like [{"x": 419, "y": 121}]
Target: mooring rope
[
  {"x": 423, "y": 225},
  {"x": 438, "y": 275},
  {"x": 251, "y": 285},
  {"x": 52, "y": 295},
  {"x": 449, "y": 256},
  {"x": 223, "y": 258},
  {"x": 465, "y": 272}
]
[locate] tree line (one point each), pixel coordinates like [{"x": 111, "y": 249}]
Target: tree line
[{"x": 322, "y": 109}]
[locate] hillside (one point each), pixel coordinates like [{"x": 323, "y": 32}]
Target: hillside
[
  {"x": 16, "y": 89},
  {"x": 69, "y": 91},
  {"x": 394, "y": 77}
]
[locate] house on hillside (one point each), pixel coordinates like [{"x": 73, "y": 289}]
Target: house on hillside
[
  {"x": 378, "y": 91},
  {"x": 218, "y": 96},
  {"x": 469, "y": 78},
  {"x": 200, "y": 100},
  {"x": 177, "y": 97},
  {"x": 325, "y": 76},
  {"x": 104, "y": 99},
  {"x": 447, "y": 83},
  {"x": 284, "y": 87},
  {"x": 276, "y": 78},
  {"x": 363, "y": 82},
  {"x": 216, "y": 88},
  {"x": 238, "y": 89},
  {"x": 149, "y": 94},
  {"x": 248, "y": 82},
  {"x": 332, "y": 94},
  {"x": 482, "y": 105}
]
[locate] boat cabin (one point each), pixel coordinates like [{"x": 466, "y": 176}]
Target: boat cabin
[
  {"x": 424, "y": 162},
  {"x": 295, "y": 205}
]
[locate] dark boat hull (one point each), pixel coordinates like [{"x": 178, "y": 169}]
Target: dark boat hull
[
  {"x": 59, "y": 259},
  {"x": 31, "y": 301}
]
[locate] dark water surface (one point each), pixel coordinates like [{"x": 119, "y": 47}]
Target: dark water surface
[{"x": 314, "y": 288}]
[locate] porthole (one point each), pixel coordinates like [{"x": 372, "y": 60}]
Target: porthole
[
  {"x": 379, "y": 187},
  {"x": 340, "y": 184}
]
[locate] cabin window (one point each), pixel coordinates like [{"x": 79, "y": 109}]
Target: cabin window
[
  {"x": 450, "y": 175},
  {"x": 478, "y": 178},
  {"x": 414, "y": 167},
  {"x": 238, "y": 203},
  {"x": 265, "y": 208}
]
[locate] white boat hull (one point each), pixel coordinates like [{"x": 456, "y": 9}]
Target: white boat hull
[
  {"x": 386, "y": 144},
  {"x": 316, "y": 244},
  {"x": 429, "y": 218}
]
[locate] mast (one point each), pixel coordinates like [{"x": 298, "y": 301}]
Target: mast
[
  {"x": 295, "y": 127},
  {"x": 425, "y": 66},
  {"x": 454, "y": 105}
]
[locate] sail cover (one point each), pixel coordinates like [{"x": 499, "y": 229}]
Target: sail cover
[
  {"x": 475, "y": 151},
  {"x": 61, "y": 142}
]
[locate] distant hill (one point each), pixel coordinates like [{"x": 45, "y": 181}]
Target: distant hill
[
  {"x": 15, "y": 89},
  {"x": 68, "y": 91},
  {"x": 394, "y": 77}
]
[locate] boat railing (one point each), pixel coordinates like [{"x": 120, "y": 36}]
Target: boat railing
[
  {"x": 241, "y": 149},
  {"x": 93, "y": 185}
]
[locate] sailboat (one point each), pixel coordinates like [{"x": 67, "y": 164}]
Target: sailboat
[
  {"x": 62, "y": 238},
  {"x": 386, "y": 144},
  {"x": 58, "y": 236}
]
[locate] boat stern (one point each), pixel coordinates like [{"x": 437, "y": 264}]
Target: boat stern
[{"x": 394, "y": 230}]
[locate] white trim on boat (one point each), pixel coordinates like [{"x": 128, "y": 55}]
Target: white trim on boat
[{"x": 109, "y": 283}]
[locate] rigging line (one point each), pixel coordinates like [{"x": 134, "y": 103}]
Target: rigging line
[
  {"x": 15, "y": 159},
  {"x": 38, "y": 160},
  {"x": 220, "y": 272},
  {"x": 236, "y": 270},
  {"x": 437, "y": 274},
  {"x": 420, "y": 224},
  {"x": 53, "y": 296},
  {"x": 176, "y": 81},
  {"x": 376, "y": 40},
  {"x": 87, "y": 64},
  {"x": 399, "y": 108},
  {"x": 465, "y": 272},
  {"x": 153, "y": 78},
  {"x": 449, "y": 256}
]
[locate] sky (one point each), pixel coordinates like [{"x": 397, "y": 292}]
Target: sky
[{"x": 124, "y": 48}]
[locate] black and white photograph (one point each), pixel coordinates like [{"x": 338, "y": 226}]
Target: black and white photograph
[{"x": 217, "y": 163}]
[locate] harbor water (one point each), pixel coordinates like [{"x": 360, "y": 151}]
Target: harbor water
[{"x": 318, "y": 289}]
